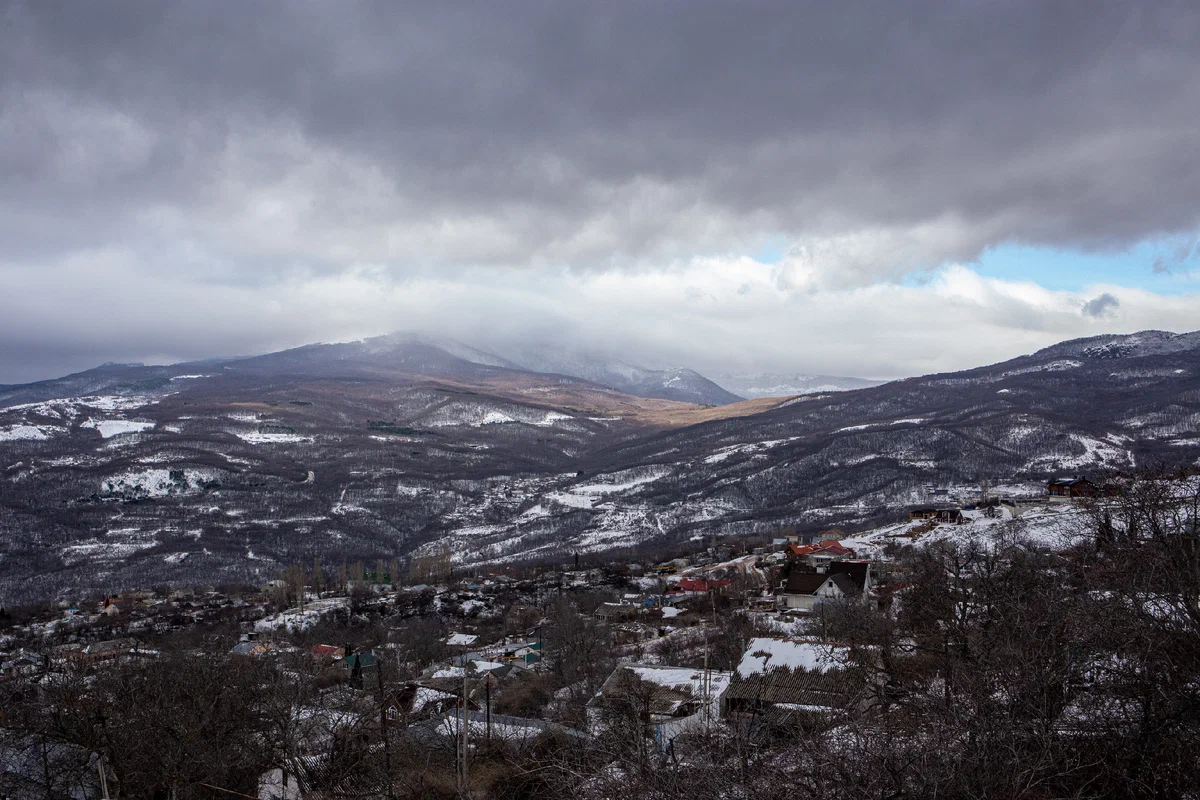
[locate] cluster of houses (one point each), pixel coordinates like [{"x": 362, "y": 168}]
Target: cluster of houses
[
  {"x": 112, "y": 627},
  {"x": 779, "y": 683}
]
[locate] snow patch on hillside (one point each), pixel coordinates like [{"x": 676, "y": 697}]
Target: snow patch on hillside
[
  {"x": 28, "y": 433},
  {"x": 254, "y": 437},
  {"x": 109, "y": 428},
  {"x": 151, "y": 483},
  {"x": 1095, "y": 451},
  {"x": 750, "y": 448},
  {"x": 622, "y": 481},
  {"x": 296, "y": 619},
  {"x": 1051, "y": 366}
]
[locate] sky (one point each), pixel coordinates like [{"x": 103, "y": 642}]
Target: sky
[{"x": 874, "y": 189}]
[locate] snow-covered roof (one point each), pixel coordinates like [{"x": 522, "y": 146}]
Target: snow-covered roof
[{"x": 764, "y": 655}]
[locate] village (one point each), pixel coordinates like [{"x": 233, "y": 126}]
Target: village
[{"x": 745, "y": 639}]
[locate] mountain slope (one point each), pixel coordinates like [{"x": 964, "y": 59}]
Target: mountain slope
[
  {"x": 680, "y": 385},
  {"x": 776, "y": 385},
  {"x": 230, "y": 470}
]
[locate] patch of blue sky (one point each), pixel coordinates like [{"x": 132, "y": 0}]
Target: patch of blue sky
[
  {"x": 1169, "y": 265},
  {"x": 772, "y": 250},
  {"x": 1161, "y": 266}
]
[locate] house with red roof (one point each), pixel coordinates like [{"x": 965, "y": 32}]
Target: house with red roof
[
  {"x": 819, "y": 554},
  {"x": 699, "y": 586}
]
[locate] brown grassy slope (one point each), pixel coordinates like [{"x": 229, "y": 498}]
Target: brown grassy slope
[{"x": 373, "y": 397}]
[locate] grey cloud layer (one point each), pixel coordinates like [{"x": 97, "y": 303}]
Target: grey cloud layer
[
  {"x": 231, "y": 144},
  {"x": 587, "y": 133}
]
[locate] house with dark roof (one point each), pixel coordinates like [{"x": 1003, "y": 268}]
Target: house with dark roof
[
  {"x": 807, "y": 590},
  {"x": 859, "y": 572},
  {"x": 1070, "y": 488},
  {"x": 951, "y": 515}
]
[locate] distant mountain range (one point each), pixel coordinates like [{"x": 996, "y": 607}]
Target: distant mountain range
[
  {"x": 788, "y": 385},
  {"x": 227, "y": 470},
  {"x": 441, "y": 357},
  {"x": 681, "y": 385}
]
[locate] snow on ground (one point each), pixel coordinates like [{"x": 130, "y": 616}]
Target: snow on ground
[
  {"x": 865, "y": 426},
  {"x": 115, "y": 544},
  {"x": 621, "y": 481},
  {"x": 29, "y": 433},
  {"x": 114, "y": 427},
  {"x": 477, "y": 415},
  {"x": 157, "y": 482},
  {"x": 114, "y": 402},
  {"x": 751, "y": 447},
  {"x": 1051, "y": 525},
  {"x": 691, "y": 680},
  {"x": 425, "y": 696},
  {"x": 767, "y": 654},
  {"x": 69, "y": 407},
  {"x": 1096, "y": 451},
  {"x": 788, "y": 627},
  {"x": 572, "y": 500},
  {"x": 1053, "y": 366},
  {"x": 295, "y": 619},
  {"x": 270, "y": 438}
]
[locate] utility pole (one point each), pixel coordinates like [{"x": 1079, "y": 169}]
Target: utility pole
[
  {"x": 383, "y": 724},
  {"x": 103, "y": 777},
  {"x": 464, "y": 764}
]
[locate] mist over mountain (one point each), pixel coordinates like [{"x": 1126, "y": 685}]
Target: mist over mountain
[
  {"x": 786, "y": 385},
  {"x": 676, "y": 384}
]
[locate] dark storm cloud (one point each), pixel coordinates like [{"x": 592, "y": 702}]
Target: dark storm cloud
[
  {"x": 1061, "y": 123},
  {"x": 244, "y": 144},
  {"x": 1104, "y": 305}
]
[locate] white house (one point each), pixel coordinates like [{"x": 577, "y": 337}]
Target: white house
[{"x": 807, "y": 590}]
